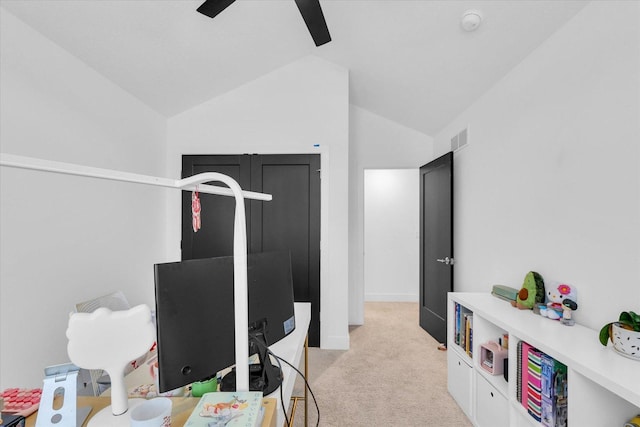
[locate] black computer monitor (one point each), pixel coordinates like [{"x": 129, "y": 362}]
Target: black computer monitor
[{"x": 195, "y": 317}]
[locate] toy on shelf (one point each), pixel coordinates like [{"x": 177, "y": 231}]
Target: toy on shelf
[
  {"x": 506, "y": 293},
  {"x": 568, "y": 307},
  {"x": 633, "y": 422},
  {"x": 492, "y": 357},
  {"x": 554, "y": 311},
  {"x": 562, "y": 301},
  {"x": 531, "y": 293}
]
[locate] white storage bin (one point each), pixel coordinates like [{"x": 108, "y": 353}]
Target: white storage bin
[
  {"x": 459, "y": 380},
  {"x": 492, "y": 408}
]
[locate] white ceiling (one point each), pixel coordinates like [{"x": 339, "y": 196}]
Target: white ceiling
[{"x": 409, "y": 61}]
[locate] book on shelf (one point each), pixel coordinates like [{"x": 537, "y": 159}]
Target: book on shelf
[
  {"x": 554, "y": 392},
  {"x": 463, "y": 327},
  {"x": 463, "y": 330},
  {"x": 456, "y": 335},
  {"x": 534, "y": 383},
  {"x": 548, "y": 370},
  {"x": 541, "y": 386},
  {"x": 232, "y": 409},
  {"x": 468, "y": 333},
  {"x": 519, "y": 371},
  {"x": 523, "y": 373}
]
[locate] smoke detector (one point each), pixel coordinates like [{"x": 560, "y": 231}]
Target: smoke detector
[{"x": 471, "y": 20}]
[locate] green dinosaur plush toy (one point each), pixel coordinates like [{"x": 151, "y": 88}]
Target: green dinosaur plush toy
[{"x": 531, "y": 293}]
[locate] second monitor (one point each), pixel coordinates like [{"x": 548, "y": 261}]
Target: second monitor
[{"x": 195, "y": 317}]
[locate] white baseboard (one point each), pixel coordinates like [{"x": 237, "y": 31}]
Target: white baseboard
[
  {"x": 335, "y": 342},
  {"x": 391, "y": 297}
]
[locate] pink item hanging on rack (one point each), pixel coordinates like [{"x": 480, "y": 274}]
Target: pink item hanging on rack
[{"x": 196, "y": 207}]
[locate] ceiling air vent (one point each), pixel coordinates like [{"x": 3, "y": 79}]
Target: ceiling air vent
[{"x": 460, "y": 140}]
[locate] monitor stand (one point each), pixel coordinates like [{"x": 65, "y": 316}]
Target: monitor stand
[{"x": 263, "y": 376}]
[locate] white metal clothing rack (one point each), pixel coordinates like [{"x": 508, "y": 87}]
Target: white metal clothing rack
[{"x": 186, "y": 184}]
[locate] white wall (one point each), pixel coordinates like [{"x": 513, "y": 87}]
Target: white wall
[
  {"x": 374, "y": 143},
  {"x": 391, "y": 235},
  {"x": 286, "y": 111},
  {"x": 550, "y": 180},
  {"x": 68, "y": 239}
]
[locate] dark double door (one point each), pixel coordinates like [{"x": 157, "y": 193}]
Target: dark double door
[{"x": 290, "y": 221}]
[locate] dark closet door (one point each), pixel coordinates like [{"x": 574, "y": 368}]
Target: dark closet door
[
  {"x": 215, "y": 237},
  {"x": 290, "y": 221},
  {"x": 436, "y": 244}
]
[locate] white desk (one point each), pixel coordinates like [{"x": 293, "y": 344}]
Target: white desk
[{"x": 291, "y": 349}]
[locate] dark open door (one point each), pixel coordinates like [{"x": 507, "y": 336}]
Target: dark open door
[
  {"x": 291, "y": 221},
  {"x": 436, "y": 244}
]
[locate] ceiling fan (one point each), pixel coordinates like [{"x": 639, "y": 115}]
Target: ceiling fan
[{"x": 309, "y": 9}]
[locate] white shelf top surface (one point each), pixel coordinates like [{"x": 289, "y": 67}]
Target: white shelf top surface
[{"x": 576, "y": 346}]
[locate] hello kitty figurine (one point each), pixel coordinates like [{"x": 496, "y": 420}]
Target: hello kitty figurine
[{"x": 557, "y": 294}]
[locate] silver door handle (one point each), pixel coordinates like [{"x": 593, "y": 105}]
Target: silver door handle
[{"x": 446, "y": 260}]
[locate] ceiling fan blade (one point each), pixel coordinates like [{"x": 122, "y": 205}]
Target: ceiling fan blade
[
  {"x": 314, "y": 18},
  {"x": 212, "y": 8}
]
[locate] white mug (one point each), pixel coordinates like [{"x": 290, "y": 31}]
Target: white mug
[{"x": 152, "y": 413}]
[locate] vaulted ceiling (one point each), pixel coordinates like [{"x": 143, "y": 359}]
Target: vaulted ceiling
[{"x": 408, "y": 61}]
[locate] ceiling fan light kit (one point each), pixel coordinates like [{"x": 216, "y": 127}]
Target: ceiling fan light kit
[
  {"x": 471, "y": 20},
  {"x": 309, "y": 9}
]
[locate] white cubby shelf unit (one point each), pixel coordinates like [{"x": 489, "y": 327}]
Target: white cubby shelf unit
[{"x": 603, "y": 386}]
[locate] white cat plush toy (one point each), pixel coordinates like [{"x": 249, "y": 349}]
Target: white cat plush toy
[{"x": 557, "y": 293}]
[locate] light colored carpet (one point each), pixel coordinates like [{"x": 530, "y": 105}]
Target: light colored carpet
[{"x": 393, "y": 375}]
